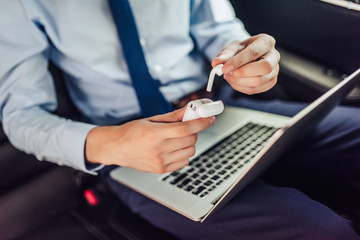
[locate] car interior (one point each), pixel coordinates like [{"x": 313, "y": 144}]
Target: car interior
[{"x": 319, "y": 45}]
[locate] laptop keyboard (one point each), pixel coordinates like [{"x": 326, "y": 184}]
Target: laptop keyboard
[{"x": 207, "y": 171}]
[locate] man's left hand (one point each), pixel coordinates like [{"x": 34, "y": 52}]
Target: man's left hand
[{"x": 250, "y": 66}]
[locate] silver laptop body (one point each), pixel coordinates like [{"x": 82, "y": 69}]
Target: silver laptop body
[{"x": 229, "y": 155}]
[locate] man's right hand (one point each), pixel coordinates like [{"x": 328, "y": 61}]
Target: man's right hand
[{"x": 157, "y": 144}]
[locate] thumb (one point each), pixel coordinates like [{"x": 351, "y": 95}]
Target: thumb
[
  {"x": 228, "y": 52},
  {"x": 174, "y": 116},
  {"x": 222, "y": 58}
]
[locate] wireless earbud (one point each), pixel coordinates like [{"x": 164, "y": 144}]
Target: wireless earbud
[
  {"x": 216, "y": 70},
  {"x": 205, "y": 107}
]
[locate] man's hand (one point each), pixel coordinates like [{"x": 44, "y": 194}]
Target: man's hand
[
  {"x": 158, "y": 144},
  {"x": 251, "y": 66}
]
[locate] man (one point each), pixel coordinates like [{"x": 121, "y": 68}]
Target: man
[{"x": 80, "y": 37}]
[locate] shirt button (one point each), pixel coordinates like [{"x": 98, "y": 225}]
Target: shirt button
[
  {"x": 157, "y": 68},
  {"x": 142, "y": 42}
]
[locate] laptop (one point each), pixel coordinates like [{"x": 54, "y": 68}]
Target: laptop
[{"x": 229, "y": 155}]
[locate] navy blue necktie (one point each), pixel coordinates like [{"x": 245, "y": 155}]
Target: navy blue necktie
[{"x": 151, "y": 100}]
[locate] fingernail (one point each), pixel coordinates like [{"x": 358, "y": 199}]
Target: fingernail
[
  {"x": 228, "y": 69},
  {"x": 212, "y": 120},
  {"x": 222, "y": 57},
  {"x": 225, "y": 55}
]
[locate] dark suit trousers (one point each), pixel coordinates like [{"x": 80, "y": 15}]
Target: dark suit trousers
[{"x": 309, "y": 193}]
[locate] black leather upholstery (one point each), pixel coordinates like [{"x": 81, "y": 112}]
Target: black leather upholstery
[
  {"x": 40, "y": 200},
  {"x": 311, "y": 28},
  {"x": 35, "y": 201}
]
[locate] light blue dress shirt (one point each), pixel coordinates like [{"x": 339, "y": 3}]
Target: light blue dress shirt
[{"x": 80, "y": 38}]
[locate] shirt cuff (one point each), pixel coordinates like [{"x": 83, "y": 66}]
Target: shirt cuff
[{"x": 73, "y": 147}]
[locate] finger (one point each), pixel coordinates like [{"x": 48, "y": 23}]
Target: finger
[
  {"x": 228, "y": 52},
  {"x": 180, "y": 155},
  {"x": 183, "y": 129},
  {"x": 177, "y": 165},
  {"x": 255, "y": 90},
  {"x": 174, "y": 144},
  {"x": 262, "y": 67},
  {"x": 174, "y": 116},
  {"x": 257, "y": 81},
  {"x": 256, "y": 49}
]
